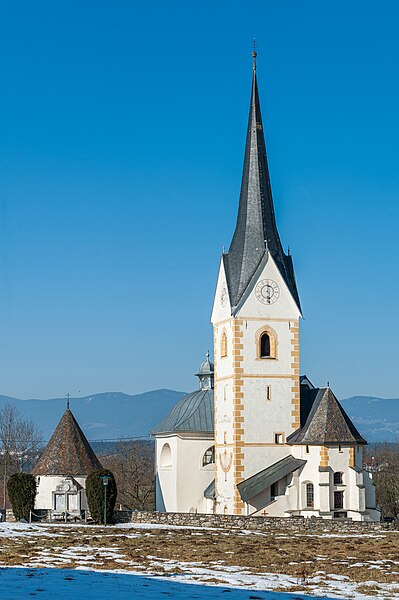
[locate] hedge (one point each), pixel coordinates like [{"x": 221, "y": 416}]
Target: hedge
[
  {"x": 21, "y": 489},
  {"x": 95, "y": 495}
]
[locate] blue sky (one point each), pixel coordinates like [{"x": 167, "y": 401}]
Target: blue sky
[{"x": 121, "y": 146}]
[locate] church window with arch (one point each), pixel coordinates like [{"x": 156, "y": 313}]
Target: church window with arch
[
  {"x": 165, "y": 459},
  {"x": 209, "y": 457},
  {"x": 266, "y": 344},
  {"x": 223, "y": 345}
]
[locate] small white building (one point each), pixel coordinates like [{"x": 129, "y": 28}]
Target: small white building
[
  {"x": 62, "y": 469},
  {"x": 281, "y": 446}
]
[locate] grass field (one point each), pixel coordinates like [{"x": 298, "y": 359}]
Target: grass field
[{"x": 342, "y": 566}]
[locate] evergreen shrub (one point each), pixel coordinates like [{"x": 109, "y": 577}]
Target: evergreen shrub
[
  {"x": 21, "y": 489},
  {"x": 95, "y": 495}
]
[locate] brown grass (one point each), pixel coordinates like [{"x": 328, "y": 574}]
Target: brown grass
[{"x": 300, "y": 556}]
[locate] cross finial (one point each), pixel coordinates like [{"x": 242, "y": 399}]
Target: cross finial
[
  {"x": 207, "y": 355},
  {"x": 68, "y": 397},
  {"x": 254, "y": 53}
]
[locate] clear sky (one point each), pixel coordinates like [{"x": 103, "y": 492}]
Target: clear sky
[{"x": 122, "y": 131}]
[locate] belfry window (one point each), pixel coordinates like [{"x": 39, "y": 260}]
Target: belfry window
[
  {"x": 309, "y": 495},
  {"x": 209, "y": 457},
  {"x": 223, "y": 345},
  {"x": 265, "y": 346}
]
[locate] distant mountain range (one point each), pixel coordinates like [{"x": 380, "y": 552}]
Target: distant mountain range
[
  {"x": 111, "y": 415},
  {"x": 114, "y": 415}
]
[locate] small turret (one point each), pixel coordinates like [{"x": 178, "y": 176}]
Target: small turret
[{"x": 206, "y": 374}]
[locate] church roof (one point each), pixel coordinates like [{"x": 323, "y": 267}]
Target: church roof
[
  {"x": 193, "y": 413},
  {"x": 256, "y": 231},
  {"x": 209, "y": 492},
  {"x": 260, "y": 481},
  {"x": 323, "y": 420},
  {"x": 68, "y": 451}
]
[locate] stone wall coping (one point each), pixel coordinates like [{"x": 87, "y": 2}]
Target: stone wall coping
[{"x": 250, "y": 522}]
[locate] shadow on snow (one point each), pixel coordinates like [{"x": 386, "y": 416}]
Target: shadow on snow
[{"x": 18, "y": 583}]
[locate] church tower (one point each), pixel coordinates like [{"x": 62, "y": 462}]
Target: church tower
[{"x": 255, "y": 320}]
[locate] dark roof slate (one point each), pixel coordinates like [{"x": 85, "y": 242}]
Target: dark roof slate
[
  {"x": 260, "y": 481},
  {"x": 323, "y": 420},
  {"x": 209, "y": 491},
  {"x": 256, "y": 230},
  {"x": 68, "y": 451},
  {"x": 193, "y": 413}
]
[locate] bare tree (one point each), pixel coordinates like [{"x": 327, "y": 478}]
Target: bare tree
[
  {"x": 133, "y": 467},
  {"x": 383, "y": 461},
  {"x": 20, "y": 441}
]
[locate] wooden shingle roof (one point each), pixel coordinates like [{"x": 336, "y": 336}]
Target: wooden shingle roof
[
  {"x": 326, "y": 421},
  {"x": 68, "y": 451}
]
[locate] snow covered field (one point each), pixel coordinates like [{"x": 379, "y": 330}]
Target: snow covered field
[{"x": 142, "y": 561}]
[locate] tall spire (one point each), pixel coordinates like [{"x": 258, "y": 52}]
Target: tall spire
[{"x": 256, "y": 230}]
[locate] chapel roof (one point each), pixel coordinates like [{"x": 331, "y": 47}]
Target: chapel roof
[
  {"x": 68, "y": 451},
  {"x": 323, "y": 420},
  {"x": 260, "y": 481},
  {"x": 193, "y": 413},
  {"x": 256, "y": 231}
]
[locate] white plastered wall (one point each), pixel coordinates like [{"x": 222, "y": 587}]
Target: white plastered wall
[
  {"x": 46, "y": 485},
  {"x": 358, "y": 490},
  {"x": 180, "y": 486},
  {"x": 262, "y": 418}
]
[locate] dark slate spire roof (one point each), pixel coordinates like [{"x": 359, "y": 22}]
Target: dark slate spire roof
[
  {"x": 324, "y": 421},
  {"x": 68, "y": 451},
  {"x": 256, "y": 230}
]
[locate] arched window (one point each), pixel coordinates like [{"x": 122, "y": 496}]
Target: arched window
[
  {"x": 265, "y": 346},
  {"x": 165, "y": 459},
  {"x": 309, "y": 495},
  {"x": 223, "y": 345},
  {"x": 337, "y": 478},
  {"x": 209, "y": 457},
  {"x": 266, "y": 341}
]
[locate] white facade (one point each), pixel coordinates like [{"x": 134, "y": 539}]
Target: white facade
[
  {"x": 181, "y": 475},
  {"x": 255, "y": 397},
  {"x": 281, "y": 449},
  {"x": 59, "y": 494}
]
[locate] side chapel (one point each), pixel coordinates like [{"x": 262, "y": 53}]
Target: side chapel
[
  {"x": 62, "y": 469},
  {"x": 258, "y": 438}
]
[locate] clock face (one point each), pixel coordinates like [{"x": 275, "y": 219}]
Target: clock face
[
  {"x": 267, "y": 291},
  {"x": 223, "y": 297}
]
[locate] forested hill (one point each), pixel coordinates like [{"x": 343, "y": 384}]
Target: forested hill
[
  {"x": 112, "y": 415},
  {"x": 377, "y": 419}
]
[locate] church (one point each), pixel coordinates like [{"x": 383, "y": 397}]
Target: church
[{"x": 257, "y": 438}]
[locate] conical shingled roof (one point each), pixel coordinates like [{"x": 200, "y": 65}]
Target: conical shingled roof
[
  {"x": 68, "y": 451},
  {"x": 327, "y": 423}
]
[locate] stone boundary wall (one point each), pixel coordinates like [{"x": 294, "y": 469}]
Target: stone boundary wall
[{"x": 251, "y": 523}]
